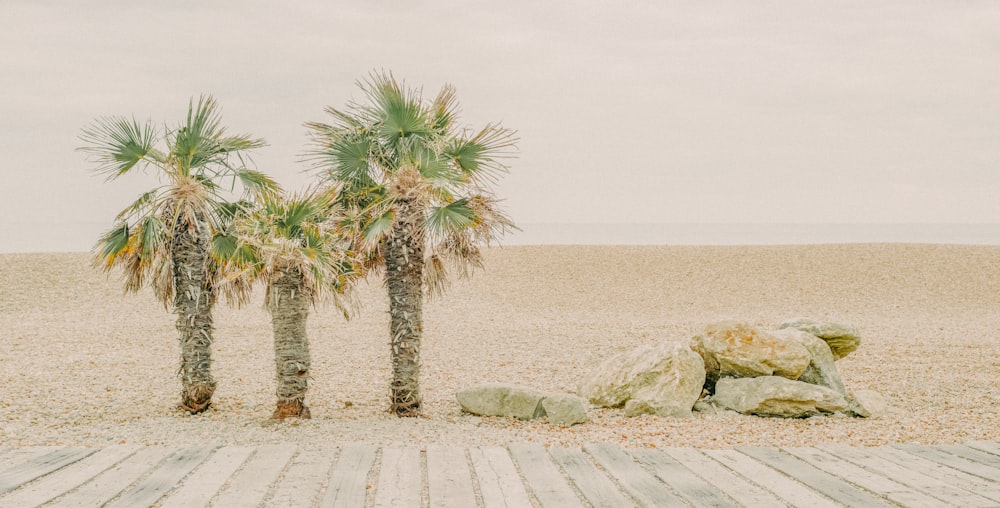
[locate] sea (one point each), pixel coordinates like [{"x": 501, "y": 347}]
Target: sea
[{"x": 22, "y": 237}]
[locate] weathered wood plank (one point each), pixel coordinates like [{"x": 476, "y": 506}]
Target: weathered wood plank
[
  {"x": 400, "y": 480},
  {"x": 40, "y": 466},
  {"x": 544, "y": 480},
  {"x": 303, "y": 480},
  {"x": 595, "y": 486},
  {"x": 952, "y": 461},
  {"x": 987, "y": 459},
  {"x": 870, "y": 480},
  {"x": 165, "y": 478},
  {"x": 107, "y": 485},
  {"x": 642, "y": 486},
  {"x": 829, "y": 485},
  {"x": 986, "y": 446},
  {"x": 449, "y": 481},
  {"x": 206, "y": 481},
  {"x": 16, "y": 456},
  {"x": 251, "y": 483},
  {"x": 68, "y": 478},
  {"x": 918, "y": 474},
  {"x": 348, "y": 486},
  {"x": 499, "y": 482},
  {"x": 683, "y": 481},
  {"x": 778, "y": 484}
]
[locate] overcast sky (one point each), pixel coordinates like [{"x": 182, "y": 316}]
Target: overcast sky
[{"x": 628, "y": 112}]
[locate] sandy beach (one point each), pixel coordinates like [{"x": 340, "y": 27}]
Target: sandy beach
[{"x": 83, "y": 364}]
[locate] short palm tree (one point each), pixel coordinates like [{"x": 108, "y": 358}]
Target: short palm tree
[
  {"x": 293, "y": 246},
  {"x": 415, "y": 191},
  {"x": 165, "y": 238}
]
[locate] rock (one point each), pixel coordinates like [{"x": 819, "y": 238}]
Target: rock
[
  {"x": 867, "y": 404},
  {"x": 732, "y": 349},
  {"x": 663, "y": 379},
  {"x": 776, "y": 396},
  {"x": 822, "y": 370},
  {"x": 842, "y": 339},
  {"x": 501, "y": 400},
  {"x": 565, "y": 409}
]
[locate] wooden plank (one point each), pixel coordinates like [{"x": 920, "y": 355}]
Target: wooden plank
[
  {"x": 400, "y": 481},
  {"x": 785, "y": 488},
  {"x": 642, "y": 486},
  {"x": 17, "y": 456},
  {"x": 40, "y": 466},
  {"x": 165, "y": 478},
  {"x": 348, "y": 486},
  {"x": 688, "y": 485},
  {"x": 870, "y": 480},
  {"x": 68, "y": 478},
  {"x": 449, "y": 481},
  {"x": 916, "y": 473},
  {"x": 986, "y": 446},
  {"x": 595, "y": 486},
  {"x": 251, "y": 483},
  {"x": 952, "y": 461},
  {"x": 544, "y": 480},
  {"x": 208, "y": 479},
  {"x": 107, "y": 485},
  {"x": 303, "y": 480},
  {"x": 499, "y": 482},
  {"x": 984, "y": 458},
  {"x": 829, "y": 485}
]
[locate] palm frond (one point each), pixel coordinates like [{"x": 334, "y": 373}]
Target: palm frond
[
  {"x": 444, "y": 110},
  {"x": 119, "y": 144},
  {"x": 111, "y": 244},
  {"x": 450, "y": 218},
  {"x": 257, "y": 183}
]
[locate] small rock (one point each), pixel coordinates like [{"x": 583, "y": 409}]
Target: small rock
[
  {"x": 842, "y": 339},
  {"x": 822, "y": 370},
  {"x": 867, "y": 404},
  {"x": 501, "y": 400},
  {"x": 565, "y": 409}
]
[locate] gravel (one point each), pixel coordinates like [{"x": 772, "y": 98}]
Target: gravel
[{"x": 84, "y": 365}]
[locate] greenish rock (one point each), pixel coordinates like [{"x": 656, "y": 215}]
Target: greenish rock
[
  {"x": 564, "y": 409},
  {"x": 498, "y": 399},
  {"x": 664, "y": 379},
  {"x": 822, "y": 369},
  {"x": 776, "y": 396},
  {"x": 842, "y": 339},
  {"x": 867, "y": 404},
  {"x": 734, "y": 349}
]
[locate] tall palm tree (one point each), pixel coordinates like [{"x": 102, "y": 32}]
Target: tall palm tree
[
  {"x": 414, "y": 187},
  {"x": 165, "y": 238},
  {"x": 292, "y": 244}
]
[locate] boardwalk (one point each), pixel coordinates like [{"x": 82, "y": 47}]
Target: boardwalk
[{"x": 519, "y": 475}]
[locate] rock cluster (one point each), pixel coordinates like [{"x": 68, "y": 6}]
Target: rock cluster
[{"x": 787, "y": 372}]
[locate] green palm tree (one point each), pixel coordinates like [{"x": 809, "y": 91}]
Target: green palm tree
[
  {"x": 415, "y": 192},
  {"x": 293, "y": 246},
  {"x": 165, "y": 238}
]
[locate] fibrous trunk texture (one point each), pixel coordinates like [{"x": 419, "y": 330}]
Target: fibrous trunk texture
[
  {"x": 404, "y": 264},
  {"x": 289, "y": 307},
  {"x": 193, "y": 302}
]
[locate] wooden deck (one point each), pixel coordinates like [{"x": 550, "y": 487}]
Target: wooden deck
[{"x": 519, "y": 475}]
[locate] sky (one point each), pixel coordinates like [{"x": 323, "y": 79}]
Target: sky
[{"x": 827, "y": 111}]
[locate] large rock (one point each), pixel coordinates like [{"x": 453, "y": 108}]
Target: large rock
[
  {"x": 842, "y": 339},
  {"x": 867, "y": 404},
  {"x": 732, "y": 349},
  {"x": 662, "y": 379},
  {"x": 497, "y": 399},
  {"x": 822, "y": 370},
  {"x": 563, "y": 409},
  {"x": 776, "y": 396}
]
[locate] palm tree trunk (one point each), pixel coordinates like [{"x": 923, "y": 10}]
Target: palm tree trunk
[
  {"x": 193, "y": 302},
  {"x": 289, "y": 309},
  {"x": 404, "y": 265}
]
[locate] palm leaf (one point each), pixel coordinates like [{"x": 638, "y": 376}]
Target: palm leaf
[
  {"x": 451, "y": 217},
  {"x": 119, "y": 144},
  {"x": 112, "y": 243}
]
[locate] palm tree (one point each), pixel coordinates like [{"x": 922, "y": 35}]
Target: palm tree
[
  {"x": 165, "y": 238},
  {"x": 291, "y": 244},
  {"x": 415, "y": 192}
]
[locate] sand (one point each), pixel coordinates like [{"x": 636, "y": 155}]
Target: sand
[{"x": 82, "y": 364}]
